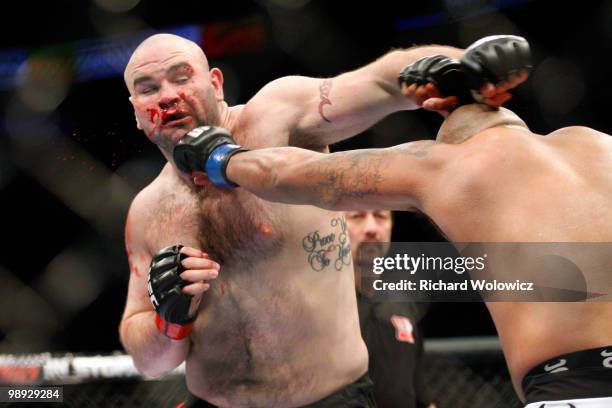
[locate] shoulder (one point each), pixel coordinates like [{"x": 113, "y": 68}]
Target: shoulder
[
  {"x": 572, "y": 132},
  {"x": 277, "y": 92},
  {"x": 147, "y": 197},
  {"x": 276, "y": 97},
  {"x": 282, "y": 86}
]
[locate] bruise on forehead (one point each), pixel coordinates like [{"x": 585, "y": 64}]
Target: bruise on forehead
[{"x": 157, "y": 40}]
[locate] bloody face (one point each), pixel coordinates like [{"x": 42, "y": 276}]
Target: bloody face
[{"x": 172, "y": 91}]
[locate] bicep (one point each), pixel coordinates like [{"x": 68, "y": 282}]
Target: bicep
[{"x": 316, "y": 112}]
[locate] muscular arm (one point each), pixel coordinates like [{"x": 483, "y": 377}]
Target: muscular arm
[
  {"x": 396, "y": 178},
  {"x": 153, "y": 353},
  {"x": 318, "y": 112}
]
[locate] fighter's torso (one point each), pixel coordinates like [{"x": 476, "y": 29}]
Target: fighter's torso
[
  {"x": 279, "y": 326},
  {"x": 516, "y": 187}
]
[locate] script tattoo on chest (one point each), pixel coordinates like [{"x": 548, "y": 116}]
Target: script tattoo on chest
[{"x": 332, "y": 250}]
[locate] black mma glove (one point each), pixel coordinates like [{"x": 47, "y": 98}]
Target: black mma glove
[
  {"x": 164, "y": 284},
  {"x": 207, "y": 149},
  {"x": 443, "y": 72},
  {"x": 493, "y": 59}
]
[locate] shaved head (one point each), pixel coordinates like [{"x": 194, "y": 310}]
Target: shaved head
[
  {"x": 172, "y": 89},
  {"x": 167, "y": 42}
]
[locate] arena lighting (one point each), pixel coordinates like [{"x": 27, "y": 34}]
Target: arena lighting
[
  {"x": 99, "y": 58},
  {"x": 456, "y": 10}
]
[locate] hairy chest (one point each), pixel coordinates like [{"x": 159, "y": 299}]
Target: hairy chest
[{"x": 232, "y": 227}]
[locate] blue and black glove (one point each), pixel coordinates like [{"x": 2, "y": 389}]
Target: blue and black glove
[{"x": 207, "y": 149}]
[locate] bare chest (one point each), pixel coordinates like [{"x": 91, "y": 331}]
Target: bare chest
[{"x": 231, "y": 226}]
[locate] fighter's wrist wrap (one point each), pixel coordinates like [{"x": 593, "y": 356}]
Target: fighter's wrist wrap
[
  {"x": 165, "y": 292},
  {"x": 208, "y": 149},
  {"x": 173, "y": 330},
  {"x": 216, "y": 165}
]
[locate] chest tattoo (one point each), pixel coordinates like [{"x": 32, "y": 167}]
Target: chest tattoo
[{"x": 332, "y": 250}]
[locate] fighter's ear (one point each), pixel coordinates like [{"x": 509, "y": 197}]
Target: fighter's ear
[
  {"x": 216, "y": 79},
  {"x": 135, "y": 116}
]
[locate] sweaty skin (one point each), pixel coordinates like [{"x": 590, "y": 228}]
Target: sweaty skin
[
  {"x": 487, "y": 179},
  {"x": 277, "y": 323}
]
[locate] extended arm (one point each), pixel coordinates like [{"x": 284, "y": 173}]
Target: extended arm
[
  {"x": 318, "y": 112},
  {"x": 397, "y": 178}
]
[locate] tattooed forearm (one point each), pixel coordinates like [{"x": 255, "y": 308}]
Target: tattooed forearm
[
  {"x": 350, "y": 175},
  {"x": 324, "y": 91}
]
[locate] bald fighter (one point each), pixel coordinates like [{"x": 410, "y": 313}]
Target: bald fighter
[
  {"x": 486, "y": 178},
  {"x": 257, "y": 298}
]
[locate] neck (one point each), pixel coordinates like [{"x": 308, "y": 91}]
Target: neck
[
  {"x": 226, "y": 116},
  {"x": 469, "y": 120}
]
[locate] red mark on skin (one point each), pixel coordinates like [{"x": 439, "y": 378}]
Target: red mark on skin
[
  {"x": 187, "y": 70},
  {"x": 222, "y": 287},
  {"x": 152, "y": 114},
  {"x": 135, "y": 271},
  {"x": 265, "y": 229},
  {"x": 162, "y": 116}
]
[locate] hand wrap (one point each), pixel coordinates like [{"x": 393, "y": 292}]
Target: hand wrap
[{"x": 207, "y": 149}]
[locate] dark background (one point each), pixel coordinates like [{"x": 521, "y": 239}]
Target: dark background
[{"x": 71, "y": 158}]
